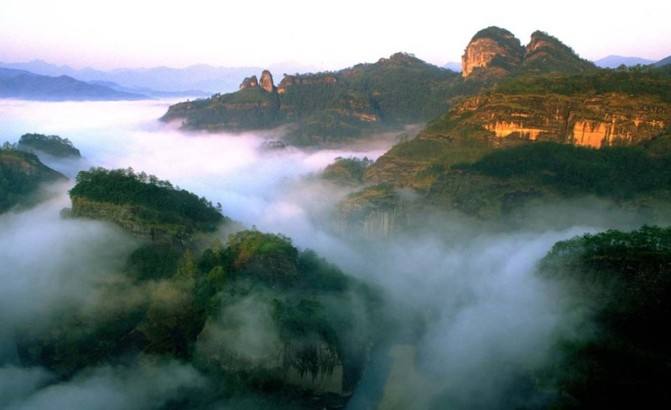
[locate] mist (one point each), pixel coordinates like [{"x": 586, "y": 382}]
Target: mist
[{"x": 468, "y": 309}]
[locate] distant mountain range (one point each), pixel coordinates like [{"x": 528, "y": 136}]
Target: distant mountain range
[
  {"x": 194, "y": 80},
  {"x": 454, "y": 66},
  {"x": 613, "y": 61},
  {"x": 26, "y": 85}
]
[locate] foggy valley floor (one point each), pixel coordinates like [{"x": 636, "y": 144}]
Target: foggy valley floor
[{"x": 467, "y": 320}]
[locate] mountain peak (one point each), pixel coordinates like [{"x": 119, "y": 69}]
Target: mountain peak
[
  {"x": 547, "y": 53},
  {"x": 496, "y": 52},
  {"x": 492, "y": 48}
]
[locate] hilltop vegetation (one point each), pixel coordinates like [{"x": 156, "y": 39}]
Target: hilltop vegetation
[
  {"x": 347, "y": 171},
  {"x": 142, "y": 203},
  {"x": 49, "y": 144},
  {"x": 634, "y": 81}
]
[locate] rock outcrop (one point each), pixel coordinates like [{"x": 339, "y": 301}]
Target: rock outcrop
[
  {"x": 267, "y": 81},
  {"x": 496, "y": 52},
  {"x": 595, "y": 121},
  {"x": 495, "y": 49},
  {"x": 315, "y": 79},
  {"x": 249, "y": 82}
]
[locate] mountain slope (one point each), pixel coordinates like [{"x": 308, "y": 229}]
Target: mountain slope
[
  {"x": 21, "y": 174},
  {"x": 594, "y": 109},
  {"x": 26, "y": 85},
  {"x": 546, "y": 53}
]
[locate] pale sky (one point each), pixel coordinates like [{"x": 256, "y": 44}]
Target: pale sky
[{"x": 327, "y": 34}]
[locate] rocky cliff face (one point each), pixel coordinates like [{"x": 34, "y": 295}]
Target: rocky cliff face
[
  {"x": 595, "y": 121},
  {"x": 495, "y": 49},
  {"x": 267, "y": 81},
  {"x": 249, "y": 82},
  {"x": 495, "y": 52},
  {"x": 315, "y": 79},
  {"x": 132, "y": 219}
]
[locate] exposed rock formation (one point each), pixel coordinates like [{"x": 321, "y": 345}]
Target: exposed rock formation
[
  {"x": 291, "y": 80},
  {"x": 267, "y": 81},
  {"x": 595, "y": 121},
  {"x": 249, "y": 82},
  {"x": 496, "y": 52},
  {"x": 494, "y": 48}
]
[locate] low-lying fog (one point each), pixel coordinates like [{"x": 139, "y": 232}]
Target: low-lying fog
[{"x": 488, "y": 314}]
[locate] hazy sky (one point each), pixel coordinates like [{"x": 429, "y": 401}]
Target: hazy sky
[{"x": 327, "y": 34}]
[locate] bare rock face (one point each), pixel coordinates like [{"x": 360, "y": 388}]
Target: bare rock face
[
  {"x": 594, "y": 121},
  {"x": 249, "y": 82},
  {"x": 305, "y": 79},
  {"x": 267, "y": 81},
  {"x": 494, "y": 49}
]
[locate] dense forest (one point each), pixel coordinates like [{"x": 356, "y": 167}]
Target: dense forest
[
  {"x": 623, "y": 281},
  {"x": 161, "y": 201},
  {"x": 49, "y": 144},
  {"x": 617, "y": 172}
]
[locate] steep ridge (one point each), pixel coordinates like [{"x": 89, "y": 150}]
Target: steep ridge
[{"x": 21, "y": 173}]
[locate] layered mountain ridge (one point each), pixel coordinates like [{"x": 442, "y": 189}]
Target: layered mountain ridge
[{"x": 329, "y": 106}]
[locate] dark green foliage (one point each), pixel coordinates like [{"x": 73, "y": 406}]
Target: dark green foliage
[
  {"x": 21, "y": 173},
  {"x": 50, "y": 144},
  {"x": 154, "y": 261},
  {"x": 618, "y": 172},
  {"x": 312, "y": 301},
  {"x": 347, "y": 171},
  {"x": 77, "y": 341},
  {"x": 548, "y": 54},
  {"x": 324, "y": 127},
  {"x": 624, "y": 281},
  {"x": 257, "y": 109},
  {"x": 163, "y": 202},
  {"x": 636, "y": 81},
  {"x": 271, "y": 260},
  {"x": 307, "y": 322}
]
